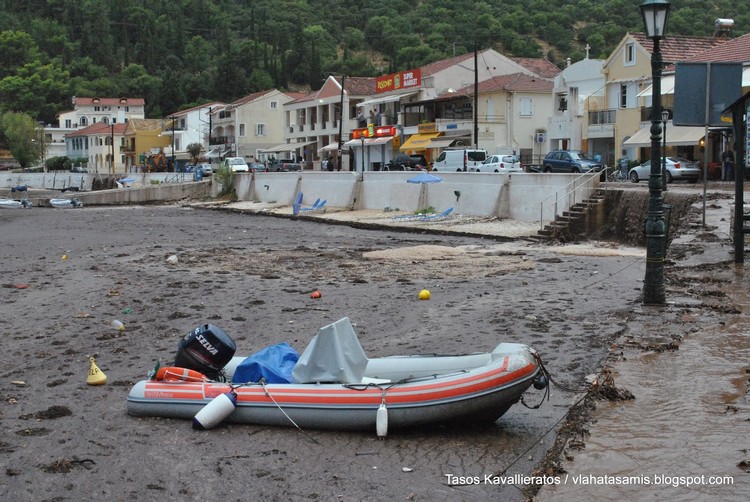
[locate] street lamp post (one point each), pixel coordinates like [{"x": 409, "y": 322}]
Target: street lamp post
[
  {"x": 655, "y": 14},
  {"x": 173, "y": 166},
  {"x": 664, "y": 119}
]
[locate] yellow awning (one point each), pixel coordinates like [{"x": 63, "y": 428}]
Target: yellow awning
[
  {"x": 676, "y": 136},
  {"x": 419, "y": 141}
]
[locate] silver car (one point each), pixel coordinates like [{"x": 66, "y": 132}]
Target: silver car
[
  {"x": 677, "y": 169},
  {"x": 500, "y": 164},
  {"x": 206, "y": 167}
]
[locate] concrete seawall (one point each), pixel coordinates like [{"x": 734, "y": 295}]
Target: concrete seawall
[{"x": 522, "y": 196}]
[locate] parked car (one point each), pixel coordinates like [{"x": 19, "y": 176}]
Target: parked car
[
  {"x": 285, "y": 167},
  {"x": 463, "y": 159},
  {"x": 78, "y": 169},
  {"x": 501, "y": 164},
  {"x": 677, "y": 169},
  {"x": 208, "y": 169},
  {"x": 570, "y": 161},
  {"x": 236, "y": 164},
  {"x": 257, "y": 167},
  {"x": 404, "y": 162}
]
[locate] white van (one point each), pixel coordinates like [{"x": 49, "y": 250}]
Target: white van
[
  {"x": 463, "y": 159},
  {"x": 237, "y": 164}
]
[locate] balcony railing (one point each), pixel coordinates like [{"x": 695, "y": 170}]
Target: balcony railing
[{"x": 603, "y": 117}]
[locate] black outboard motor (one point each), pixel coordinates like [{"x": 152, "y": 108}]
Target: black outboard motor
[{"x": 207, "y": 349}]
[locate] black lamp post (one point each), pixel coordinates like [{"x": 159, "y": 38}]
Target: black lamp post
[
  {"x": 664, "y": 119},
  {"x": 655, "y": 14},
  {"x": 173, "y": 166}
]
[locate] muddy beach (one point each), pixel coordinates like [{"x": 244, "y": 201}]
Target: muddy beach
[{"x": 67, "y": 274}]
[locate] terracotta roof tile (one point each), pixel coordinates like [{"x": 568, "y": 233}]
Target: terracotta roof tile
[
  {"x": 736, "y": 50},
  {"x": 676, "y": 47},
  {"x": 98, "y": 128},
  {"x": 83, "y": 101},
  {"x": 516, "y": 82},
  {"x": 540, "y": 66}
]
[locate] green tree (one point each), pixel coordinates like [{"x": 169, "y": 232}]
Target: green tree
[
  {"x": 194, "y": 149},
  {"x": 22, "y": 132}
]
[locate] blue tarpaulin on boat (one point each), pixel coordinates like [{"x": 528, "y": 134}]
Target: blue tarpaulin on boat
[{"x": 274, "y": 364}]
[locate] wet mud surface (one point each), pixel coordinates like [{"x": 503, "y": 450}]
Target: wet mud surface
[{"x": 252, "y": 276}]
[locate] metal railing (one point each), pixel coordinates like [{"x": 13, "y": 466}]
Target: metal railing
[{"x": 580, "y": 184}]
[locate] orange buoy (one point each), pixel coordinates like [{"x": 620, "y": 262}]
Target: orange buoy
[
  {"x": 315, "y": 294},
  {"x": 177, "y": 374}
]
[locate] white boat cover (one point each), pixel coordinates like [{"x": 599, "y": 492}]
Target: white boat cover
[{"x": 333, "y": 355}]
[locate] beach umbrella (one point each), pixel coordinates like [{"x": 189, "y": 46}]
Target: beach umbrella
[{"x": 423, "y": 179}]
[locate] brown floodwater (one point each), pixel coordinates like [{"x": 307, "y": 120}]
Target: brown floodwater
[{"x": 688, "y": 423}]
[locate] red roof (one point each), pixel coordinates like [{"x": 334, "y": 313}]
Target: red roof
[
  {"x": 736, "y": 50},
  {"x": 99, "y": 128},
  {"x": 517, "y": 82},
  {"x": 540, "y": 66},
  {"x": 83, "y": 101},
  {"x": 354, "y": 86},
  {"x": 676, "y": 47}
]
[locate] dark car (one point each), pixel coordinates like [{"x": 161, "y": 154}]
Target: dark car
[
  {"x": 404, "y": 162},
  {"x": 285, "y": 167},
  {"x": 570, "y": 161}
]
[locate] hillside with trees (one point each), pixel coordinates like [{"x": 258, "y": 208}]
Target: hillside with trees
[{"x": 181, "y": 53}]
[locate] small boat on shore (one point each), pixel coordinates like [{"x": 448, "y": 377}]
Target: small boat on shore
[
  {"x": 335, "y": 386},
  {"x": 65, "y": 203},
  {"x": 15, "y": 203}
]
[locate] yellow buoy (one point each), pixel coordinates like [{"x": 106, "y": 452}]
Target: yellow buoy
[
  {"x": 96, "y": 376},
  {"x": 424, "y": 295}
]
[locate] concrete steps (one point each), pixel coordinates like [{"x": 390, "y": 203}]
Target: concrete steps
[{"x": 575, "y": 223}]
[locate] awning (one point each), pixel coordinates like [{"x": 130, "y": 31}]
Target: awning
[
  {"x": 368, "y": 141},
  {"x": 447, "y": 141},
  {"x": 285, "y": 147},
  {"x": 419, "y": 141},
  {"x": 330, "y": 147},
  {"x": 386, "y": 99},
  {"x": 676, "y": 136},
  {"x": 214, "y": 153}
]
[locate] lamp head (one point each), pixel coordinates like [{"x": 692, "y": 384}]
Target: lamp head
[
  {"x": 655, "y": 15},
  {"x": 664, "y": 115}
]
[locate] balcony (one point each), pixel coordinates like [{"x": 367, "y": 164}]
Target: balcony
[{"x": 603, "y": 117}]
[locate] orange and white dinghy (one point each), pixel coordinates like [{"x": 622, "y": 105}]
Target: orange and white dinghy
[{"x": 335, "y": 386}]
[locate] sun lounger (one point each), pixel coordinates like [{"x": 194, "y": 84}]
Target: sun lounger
[{"x": 424, "y": 217}]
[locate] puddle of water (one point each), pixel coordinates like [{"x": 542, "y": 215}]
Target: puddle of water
[{"x": 689, "y": 419}]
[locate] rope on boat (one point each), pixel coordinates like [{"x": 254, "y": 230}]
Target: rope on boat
[{"x": 265, "y": 389}]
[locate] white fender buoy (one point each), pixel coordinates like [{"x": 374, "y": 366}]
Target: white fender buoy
[
  {"x": 381, "y": 421},
  {"x": 216, "y": 411}
]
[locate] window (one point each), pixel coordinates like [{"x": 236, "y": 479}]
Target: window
[
  {"x": 629, "y": 54},
  {"x": 274, "y": 105},
  {"x": 68, "y": 124},
  {"x": 260, "y": 129},
  {"x": 96, "y": 109},
  {"x": 242, "y": 130},
  {"x": 623, "y": 96},
  {"x": 83, "y": 121},
  {"x": 526, "y": 107}
]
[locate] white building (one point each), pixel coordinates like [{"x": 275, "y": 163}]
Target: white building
[
  {"x": 249, "y": 125},
  {"x": 580, "y": 120},
  {"x": 186, "y": 127},
  {"x": 86, "y": 112}
]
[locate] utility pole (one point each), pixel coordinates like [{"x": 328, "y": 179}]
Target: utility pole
[{"x": 476, "y": 94}]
